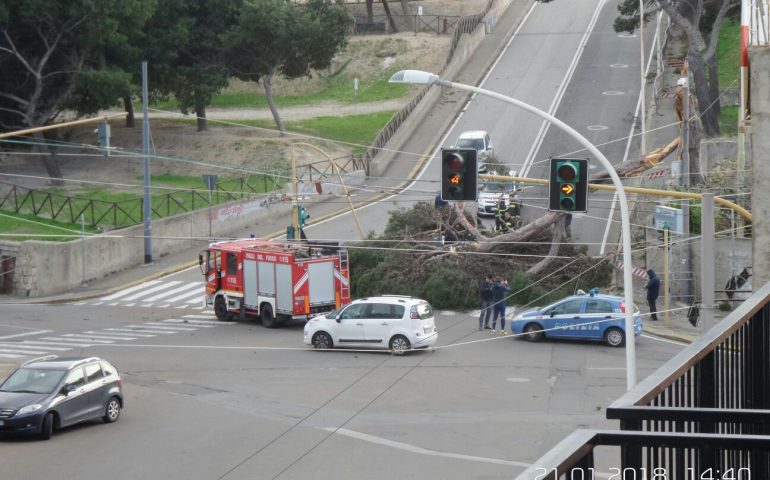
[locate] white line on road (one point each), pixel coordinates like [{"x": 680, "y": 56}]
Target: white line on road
[
  {"x": 30, "y": 344},
  {"x": 200, "y": 292},
  {"x": 69, "y": 344},
  {"x": 129, "y": 290},
  {"x": 27, "y": 334},
  {"x": 660, "y": 339},
  {"x": 184, "y": 287},
  {"x": 99, "y": 336},
  {"x": 138, "y": 332},
  {"x": 8, "y": 355},
  {"x": 207, "y": 323},
  {"x": 163, "y": 326},
  {"x": 420, "y": 450},
  {"x": 75, "y": 338}
]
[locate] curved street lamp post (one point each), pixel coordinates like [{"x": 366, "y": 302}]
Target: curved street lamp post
[{"x": 418, "y": 77}]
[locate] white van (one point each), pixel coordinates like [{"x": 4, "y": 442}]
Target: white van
[{"x": 479, "y": 141}]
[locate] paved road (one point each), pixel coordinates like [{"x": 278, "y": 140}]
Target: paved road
[{"x": 237, "y": 401}]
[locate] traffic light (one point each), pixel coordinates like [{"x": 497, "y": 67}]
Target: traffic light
[
  {"x": 568, "y": 187},
  {"x": 302, "y": 216},
  {"x": 103, "y": 131},
  {"x": 459, "y": 174}
]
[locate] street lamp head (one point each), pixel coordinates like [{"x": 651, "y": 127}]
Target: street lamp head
[{"x": 416, "y": 77}]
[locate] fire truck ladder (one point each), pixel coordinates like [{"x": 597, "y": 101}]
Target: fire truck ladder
[{"x": 344, "y": 273}]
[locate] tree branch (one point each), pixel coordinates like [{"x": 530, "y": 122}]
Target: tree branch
[
  {"x": 16, "y": 99},
  {"x": 556, "y": 238},
  {"x": 715, "y": 28}
]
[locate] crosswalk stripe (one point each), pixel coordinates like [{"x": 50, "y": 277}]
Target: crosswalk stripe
[
  {"x": 207, "y": 323},
  {"x": 184, "y": 287},
  {"x": 45, "y": 346},
  {"x": 204, "y": 317},
  {"x": 36, "y": 342},
  {"x": 21, "y": 344},
  {"x": 130, "y": 290},
  {"x": 198, "y": 294},
  {"x": 88, "y": 336},
  {"x": 139, "y": 332},
  {"x": 166, "y": 327},
  {"x": 196, "y": 300},
  {"x": 8, "y": 355},
  {"x": 24, "y": 352},
  {"x": 64, "y": 338},
  {"x": 157, "y": 288},
  {"x": 116, "y": 336},
  {"x": 191, "y": 323}
]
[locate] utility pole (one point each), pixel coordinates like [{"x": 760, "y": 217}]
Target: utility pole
[
  {"x": 147, "y": 211},
  {"x": 295, "y": 203},
  {"x": 685, "y": 246},
  {"x": 642, "y": 105},
  {"x": 707, "y": 268},
  {"x": 666, "y": 274}
]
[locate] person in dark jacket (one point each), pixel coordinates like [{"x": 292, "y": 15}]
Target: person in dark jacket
[
  {"x": 485, "y": 301},
  {"x": 499, "y": 291},
  {"x": 653, "y": 291}
]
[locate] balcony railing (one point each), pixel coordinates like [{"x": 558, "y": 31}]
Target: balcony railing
[{"x": 703, "y": 415}]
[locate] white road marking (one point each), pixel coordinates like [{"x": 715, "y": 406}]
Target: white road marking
[
  {"x": 174, "y": 291},
  {"x": 83, "y": 345},
  {"x": 46, "y": 346},
  {"x": 206, "y": 323},
  {"x": 64, "y": 338},
  {"x": 129, "y": 290},
  {"x": 163, "y": 326},
  {"x": 8, "y": 355},
  {"x": 204, "y": 317},
  {"x": 420, "y": 450},
  {"x": 22, "y": 345},
  {"x": 195, "y": 293},
  {"x": 24, "y": 352},
  {"x": 142, "y": 329},
  {"x": 98, "y": 336},
  {"x": 133, "y": 332},
  {"x": 666, "y": 340},
  {"x": 26, "y": 334}
]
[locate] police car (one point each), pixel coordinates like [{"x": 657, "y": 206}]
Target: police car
[{"x": 591, "y": 316}]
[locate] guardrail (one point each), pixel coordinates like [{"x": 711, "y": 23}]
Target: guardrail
[{"x": 705, "y": 414}]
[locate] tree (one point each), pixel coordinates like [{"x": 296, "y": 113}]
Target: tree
[
  {"x": 280, "y": 37},
  {"x": 51, "y": 56},
  {"x": 700, "y": 20},
  {"x": 185, "y": 52}
]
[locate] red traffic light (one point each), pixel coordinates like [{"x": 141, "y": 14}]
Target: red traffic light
[
  {"x": 454, "y": 161},
  {"x": 567, "y": 172}
]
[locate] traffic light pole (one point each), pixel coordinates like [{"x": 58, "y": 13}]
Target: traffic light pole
[{"x": 418, "y": 77}]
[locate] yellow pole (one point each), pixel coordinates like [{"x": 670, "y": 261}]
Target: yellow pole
[
  {"x": 644, "y": 191},
  {"x": 666, "y": 295},
  {"x": 62, "y": 125},
  {"x": 339, "y": 175},
  {"x": 295, "y": 204}
]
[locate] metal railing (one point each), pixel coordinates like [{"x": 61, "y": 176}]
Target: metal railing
[
  {"x": 438, "y": 24},
  {"x": 705, "y": 412}
]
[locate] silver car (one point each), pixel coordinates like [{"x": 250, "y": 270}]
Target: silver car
[{"x": 50, "y": 393}]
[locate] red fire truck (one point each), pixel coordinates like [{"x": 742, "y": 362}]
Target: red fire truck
[{"x": 274, "y": 281}]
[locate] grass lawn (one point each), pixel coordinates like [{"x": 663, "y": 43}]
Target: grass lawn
[
  {"x": 339, "y": 88},
  {"x": 729, "y": 53},
  {"x": 30, "y": 227}
]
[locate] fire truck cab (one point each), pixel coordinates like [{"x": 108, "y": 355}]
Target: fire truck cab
[{"x": 274, "y": 281}]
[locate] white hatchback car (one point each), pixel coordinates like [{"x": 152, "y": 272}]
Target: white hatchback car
[{"x": 393, "y": 322}]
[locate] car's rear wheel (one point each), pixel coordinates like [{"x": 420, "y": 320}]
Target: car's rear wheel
[
  {"x": 399, "y": 344},
  {"x": 112, "y": 411},
  {"x": 220, "y": 309},
  {"x": 266, "y": 315},
  {"x": 614, "y": 337},
  {"x": 47, "y": 428},
  {"x": 322, "y": 340},
  {"x": 533, "y": 332}
]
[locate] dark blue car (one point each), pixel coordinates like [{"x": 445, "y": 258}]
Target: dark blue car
[
  {"x": 581, "y": 317},
  {"x": 46, "y": 394}
]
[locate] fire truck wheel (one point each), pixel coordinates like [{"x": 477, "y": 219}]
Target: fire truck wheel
[
  {"x": 266, "y": 315},
  {"x": 220, "y": 310},
  {"x": 399, "y": 344},
  {"x": 322, "y": 340}
]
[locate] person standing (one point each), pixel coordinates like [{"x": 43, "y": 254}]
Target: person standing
[
  {"x": 653, "y": 291},
  {"x": 499, "y": 291},
  {"x": 485, "y": 301}
]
